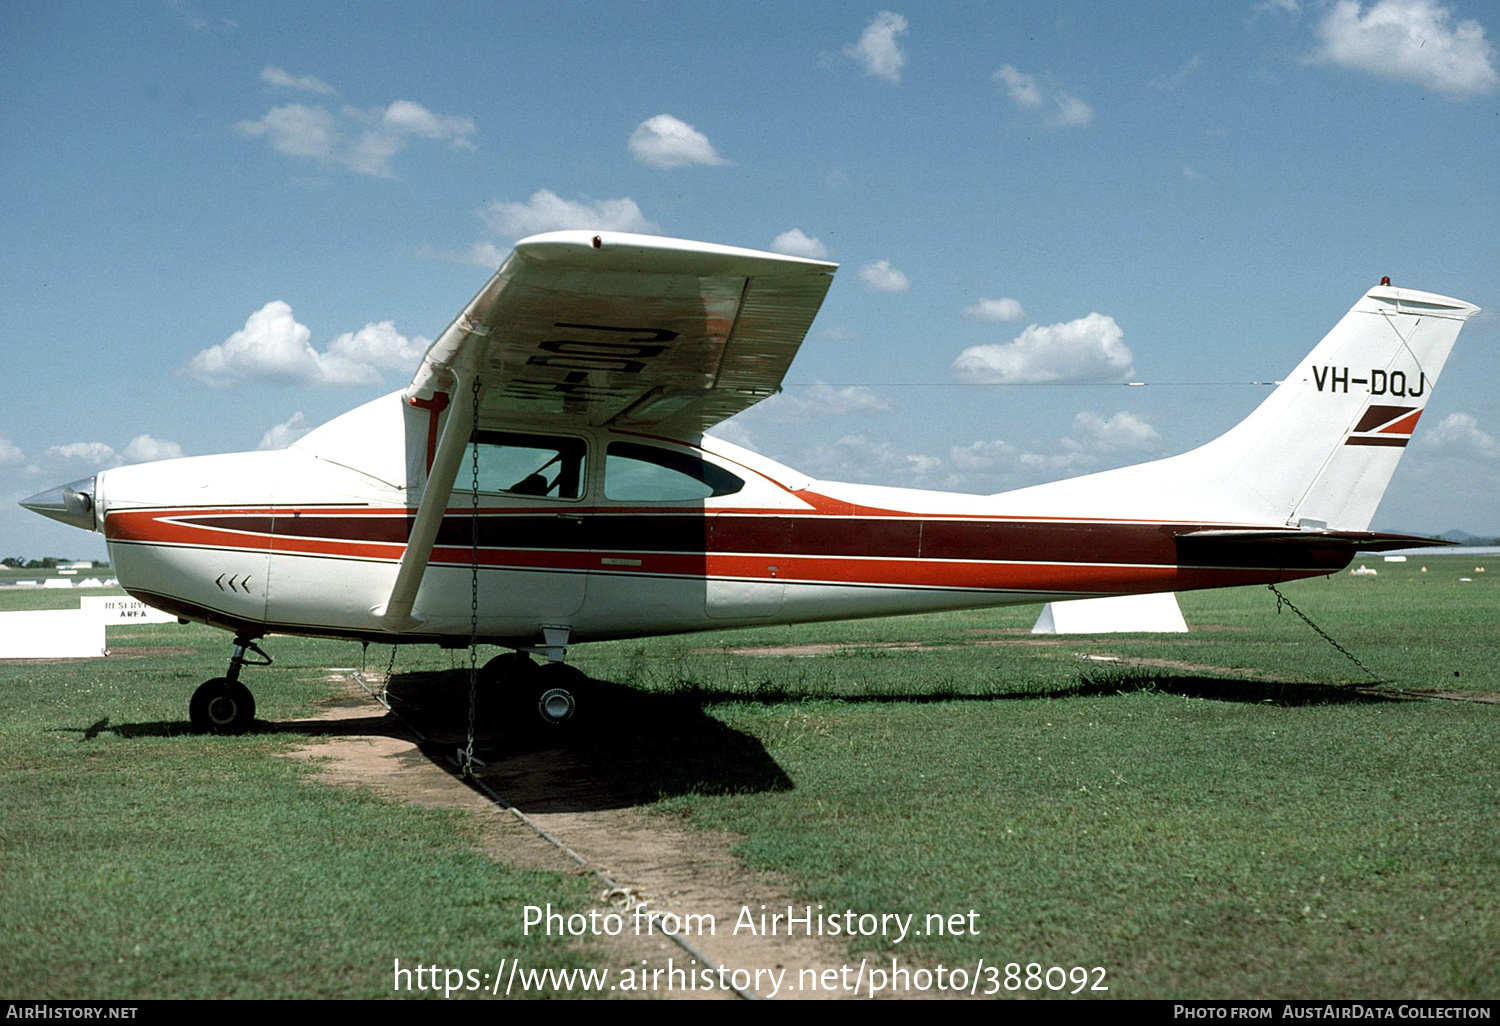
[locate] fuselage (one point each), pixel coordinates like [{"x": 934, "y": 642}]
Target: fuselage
[{"x": 610, "y": 535}]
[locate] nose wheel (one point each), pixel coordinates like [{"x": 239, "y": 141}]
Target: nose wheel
[{"x": 223, "y": 705}]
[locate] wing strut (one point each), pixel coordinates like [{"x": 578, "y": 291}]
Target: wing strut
[{"x": 396, "y": 614}]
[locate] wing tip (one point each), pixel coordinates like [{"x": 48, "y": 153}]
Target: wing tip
[
  {"x": 1415, "y": 301},
  {"x": 596, "y": 247}
]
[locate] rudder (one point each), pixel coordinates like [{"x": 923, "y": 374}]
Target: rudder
[{"x": 1320, "y": 451}]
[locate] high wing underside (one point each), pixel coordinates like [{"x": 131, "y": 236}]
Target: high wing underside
[
  {"x": 605, "y": 329},
  {"x": 629, "y": 331}
]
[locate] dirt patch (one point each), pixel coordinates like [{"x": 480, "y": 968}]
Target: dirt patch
[{"x": 674, "y": 869}]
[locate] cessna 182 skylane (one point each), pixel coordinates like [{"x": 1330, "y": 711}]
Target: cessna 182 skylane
[{"x": 551, "y": 446}]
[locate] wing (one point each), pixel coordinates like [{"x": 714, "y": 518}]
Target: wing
[
  {"x": 605, "y": 329},
  {"x": 628, "y": 331}
]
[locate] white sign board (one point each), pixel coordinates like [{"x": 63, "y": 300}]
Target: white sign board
[
  {"x": 117, "y": 609},
  {"x": 71, "y": 633},
  {"x": 50, "y": 634}
]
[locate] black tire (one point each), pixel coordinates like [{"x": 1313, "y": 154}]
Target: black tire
[
  {"x": 558, "y": 691},
  {"x": 508, "y": 670},
  {"x": 219, "y": 707}
]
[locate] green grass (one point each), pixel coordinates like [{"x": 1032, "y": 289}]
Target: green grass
[
  {"x": 142, "y": 861},
  {"x": 1231, "y": 815},
  {"x": 1242, "y": 822},
  {"x": 1192, "y": 847}
]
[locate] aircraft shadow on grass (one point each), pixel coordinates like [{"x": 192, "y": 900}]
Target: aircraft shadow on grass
[
  {"x": 638, "y": 747},
  {"x": 634, "y": 748},
  {"x": 1247, "y": 690}
]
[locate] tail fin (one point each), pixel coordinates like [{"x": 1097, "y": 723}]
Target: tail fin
[{"x": 1321, "y": 449}]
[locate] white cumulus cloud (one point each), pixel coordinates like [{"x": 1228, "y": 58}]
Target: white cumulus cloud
[
  {"x": 545, "y": 211},
  {"x": 379, "y": 345},
  {"x": 295, "y": 130},
  {"x": 666, "y": 142},
  {"x": 10, "y": 452},
  {"x": 144, "y": 449},
  {"x": 1192, "y": 66},
  {"x": 97, "y": 453},
  {"x": 363, "y": 141},
  {"x": 1090, "y": 349},
  {"x": 404, "y": 117},
  {"x": 882, "y": 277},
  {"x": 1056, "y": 105},
  {"x": 285, "y": 433},
  {"x": 995, "y": 310},
  {"x": 1460, "y": 433},
  {"x": 794, "y": 242},
  {"x": 275, "y": 76},
  {"x": 140, "y": 449},
  {"x": 984, "y": 455},
  {"x": 1416, "y": 41},
  {"x": 859, "y": 458},
  {"x": 819, "y": 400},
  {"x": 1122, "y": 432},
  {"x": 877, "y": 51},
  {"x": 274, "y": 348}
]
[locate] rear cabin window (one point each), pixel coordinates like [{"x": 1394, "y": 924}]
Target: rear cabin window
[
  {"x": 645, "y": 473},
  {"x": 544, "y": 466}
]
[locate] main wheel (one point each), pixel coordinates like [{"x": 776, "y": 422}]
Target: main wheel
[
  {"x": 510, "y": 669},
  {"x": 221, "y": 707},
  {"x": 558, "y": 689}
]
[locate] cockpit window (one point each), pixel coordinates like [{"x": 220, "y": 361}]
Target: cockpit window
[
  {"x": 544, "y": 466},
  {"x": 646, "y": 473}
]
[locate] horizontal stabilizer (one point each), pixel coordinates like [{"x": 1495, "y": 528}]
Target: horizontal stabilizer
[
  {"x": 1355, "y": 541},
  {"x": 1290, "y": 549}
]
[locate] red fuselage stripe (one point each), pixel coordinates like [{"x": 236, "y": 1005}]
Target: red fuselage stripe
[{"x": 906, "y": 552}]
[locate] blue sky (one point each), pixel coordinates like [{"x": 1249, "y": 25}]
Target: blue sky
[{"x": 225, "y": 223}]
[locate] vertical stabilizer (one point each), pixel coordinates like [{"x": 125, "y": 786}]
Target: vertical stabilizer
[
  {"x": 1318, "y": 452},
  {"x": 1321, "y": 449}
]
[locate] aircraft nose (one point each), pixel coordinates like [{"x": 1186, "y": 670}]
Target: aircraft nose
[{"x": 71, "y": 504}]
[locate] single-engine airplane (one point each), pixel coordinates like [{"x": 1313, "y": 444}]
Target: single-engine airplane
[{"x": 546, "y": 479}]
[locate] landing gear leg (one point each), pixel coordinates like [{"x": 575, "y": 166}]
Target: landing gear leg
[{"x": 223, "y": 705}]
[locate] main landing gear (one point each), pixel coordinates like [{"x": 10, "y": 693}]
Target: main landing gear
[
  {"x": 550, "y": 694},
  {"x": 223, "y": 705}
]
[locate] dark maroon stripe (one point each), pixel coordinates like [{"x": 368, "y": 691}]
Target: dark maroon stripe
[
  {"x": 817, "y": 536},
  {"x": 822, "y": 536},
  {"x": 1377, "y": 416},
  {"x": 1069, "y": 543},
  {"x": 1397, "y": 440}
]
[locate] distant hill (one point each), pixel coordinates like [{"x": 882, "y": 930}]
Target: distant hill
[{"x": 1465, "y": 538}]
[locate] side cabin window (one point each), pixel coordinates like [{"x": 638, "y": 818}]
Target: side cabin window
[
  {"x": 646, "y": 473},
  {"x": 516, "y": 463}
]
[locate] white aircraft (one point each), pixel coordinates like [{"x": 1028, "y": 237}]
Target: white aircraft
[{"x": 545, "y": 480}]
